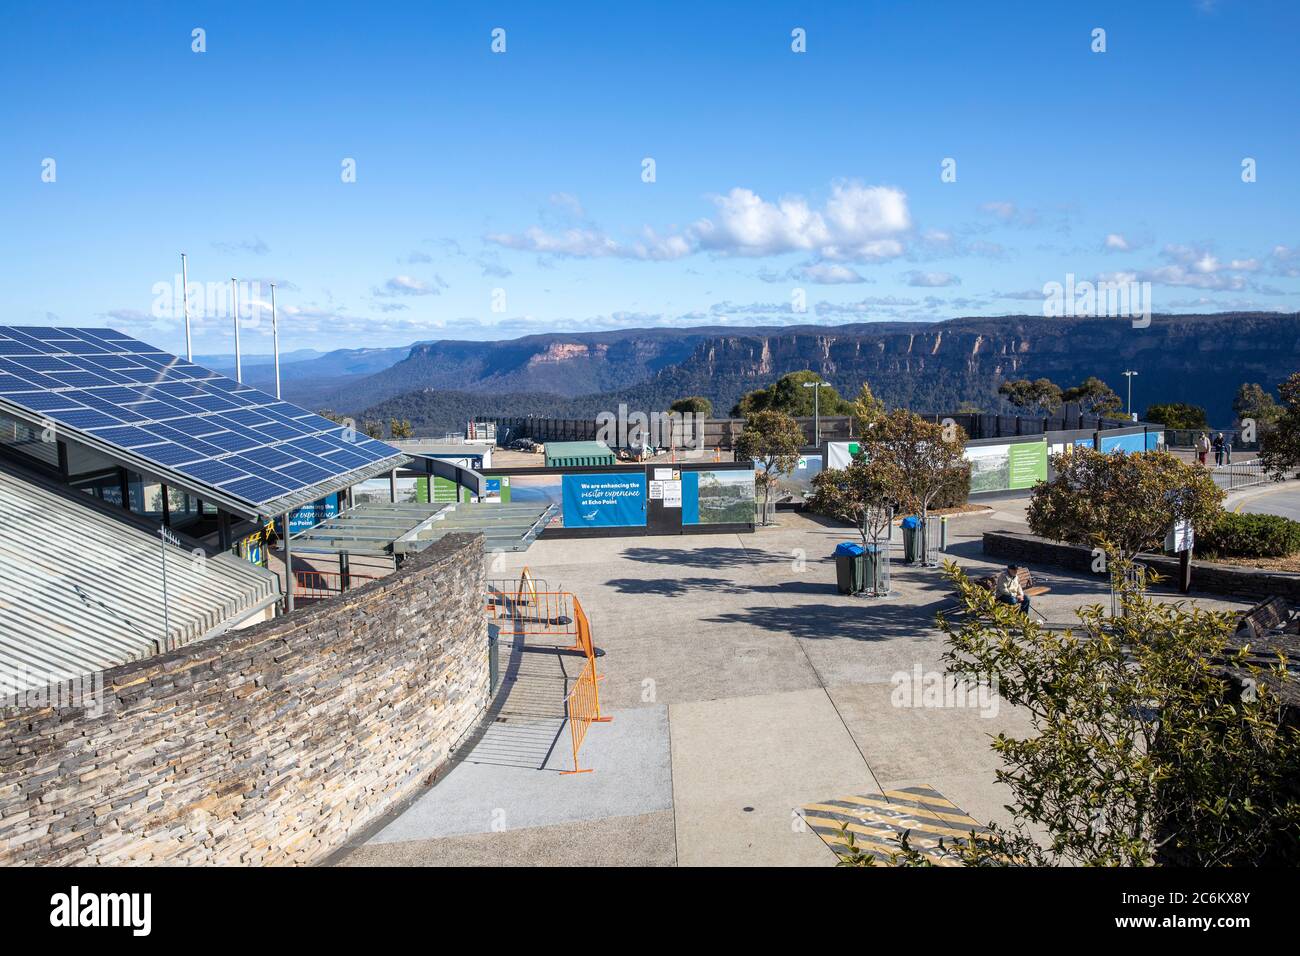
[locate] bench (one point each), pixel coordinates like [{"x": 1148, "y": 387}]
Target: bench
[
  {"x": 1027, "y": 585},
  {"x": 1022, "y": 575},
  {"x": 1266, "y": 617}
]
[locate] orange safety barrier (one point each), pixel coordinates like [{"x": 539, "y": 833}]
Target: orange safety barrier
[
  {"x": 528, "y": 608},
  {"x": 583, "y": 709},
  {"x": 543, "y": 614}
]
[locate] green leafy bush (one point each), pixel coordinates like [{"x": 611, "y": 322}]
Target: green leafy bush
[{"x": 1249, "y": 536}]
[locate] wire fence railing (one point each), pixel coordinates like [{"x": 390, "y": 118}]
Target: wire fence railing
[{"x": 1240, "y": 474}]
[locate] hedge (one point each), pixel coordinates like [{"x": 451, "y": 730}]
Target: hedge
[{"x": 1249, "y": 536}]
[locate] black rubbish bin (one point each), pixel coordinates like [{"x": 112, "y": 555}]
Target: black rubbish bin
[
  {"x": 911, "y": 540},
  {"x": 871, "y": 570},
  {"x": 850, "y": 576}
]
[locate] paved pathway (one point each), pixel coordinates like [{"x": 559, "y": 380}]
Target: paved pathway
[
  {"x": 742, "y": 687},
  {"x": 1282, "y": 499}
]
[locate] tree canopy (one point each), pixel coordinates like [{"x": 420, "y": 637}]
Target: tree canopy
[
  {"x": 1042, "y": 396},
  {"x": 694, "y": 405},
  {"x": 787, "y": 394},
  {"x": 923, "y": 456},
  {"x": 773, "y": 439},
  {"x": 1095, "y": 397},
  {"x": 1253, "y": 402},
  {"x": 1123, "y": 503},
  {"x": 1280, "y": 451},
  {"x": 1177, "y": 415}
]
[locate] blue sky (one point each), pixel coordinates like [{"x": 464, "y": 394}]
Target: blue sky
[{"x": 499, "y": 194}]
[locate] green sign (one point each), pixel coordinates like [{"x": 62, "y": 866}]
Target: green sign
[{"x": 1028, "y": 463}]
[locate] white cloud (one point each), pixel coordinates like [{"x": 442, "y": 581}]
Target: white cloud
[
  {"x": 857, "y": 223},
  {"x": 829, "y": 273},
  {"x": 1117, "y": 243},
  {"x": 255, "y": 246},
  {"x": 409, "y": 285},
  {"x": 931, "y": 280}
]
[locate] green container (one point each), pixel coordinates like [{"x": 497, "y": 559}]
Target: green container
[
  {"x": 912, "y": 544},
  {"x": 577, "y": 454}
]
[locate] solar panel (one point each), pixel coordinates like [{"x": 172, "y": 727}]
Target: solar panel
[{"x": 128, "y": 394}]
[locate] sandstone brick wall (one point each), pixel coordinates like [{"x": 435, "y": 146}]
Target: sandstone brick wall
[
  {"x": 1206, "y": 576},
  {"x": 268, "y": 745}
]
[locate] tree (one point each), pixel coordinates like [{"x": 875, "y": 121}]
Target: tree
[
  {"x": 866, "y": 407},
  {"x": 1177, "y": 415},
  {"x": 772, "y": 439},
  {"x": 373, "y": 428},
  {"x": 788, "y": 395},
  {"x": 863, "y": 494},
  {"x": 926, "y": 457},
  {"x": 1122, "y": 503},
  {"x": 1252, "y": 402},
  {"x": 1041, "y": 396},
  {"x": 400, "y": 428},
  {"x": 1143, "y": 751},
  {"x": 695, "y": 405},
  {"x": 1095, "y": 397},
  {"x": 1280, "y": 453}
]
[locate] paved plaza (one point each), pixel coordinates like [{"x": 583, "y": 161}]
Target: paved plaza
[{"x": 742, "y": 687}]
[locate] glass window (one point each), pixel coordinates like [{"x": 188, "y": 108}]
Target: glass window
[{"x": 29, "y": 441}]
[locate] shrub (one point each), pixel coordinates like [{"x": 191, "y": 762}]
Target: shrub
[
  {"x": 1249, "y": 536},
  {"x": 956, "y": 488}
]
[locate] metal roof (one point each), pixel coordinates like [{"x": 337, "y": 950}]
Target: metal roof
[
  {"x": 378, "y": 528},
  {"x": 83, "y": 588},
  {"x": 571, "y": 454},
  {"x": 180, "y": 423}
]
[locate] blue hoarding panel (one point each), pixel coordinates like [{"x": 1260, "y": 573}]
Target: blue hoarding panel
[
  {"x": 605, "y": 501},
  {"x": 690, "y": 497},
  {"x": 1135, "y": 442},
  {"x": 308, "y": 516}
]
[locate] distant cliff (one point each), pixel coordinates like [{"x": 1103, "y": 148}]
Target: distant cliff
[{"x": 1197, "y": 359}]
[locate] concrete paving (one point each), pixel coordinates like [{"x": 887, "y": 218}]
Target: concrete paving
[
  {"x": 498, "y": 788},
  {"x": 1280, "y": 499},
  {"x": 743, "y": 764},
  {"x": 742, "y": 686}
]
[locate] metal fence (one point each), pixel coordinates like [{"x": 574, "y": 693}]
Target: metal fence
[{"x": 1240, "y": 474}]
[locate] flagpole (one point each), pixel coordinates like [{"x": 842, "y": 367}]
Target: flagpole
[
  {"x": 185, "y": 292},
  {"x": 275, "y": 341},
  {"x": 234, "y": 293}
]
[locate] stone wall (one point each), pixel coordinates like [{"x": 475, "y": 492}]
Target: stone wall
[
  {"x": 1206, "y": 576},
  {"x": 268, "y": 745}
]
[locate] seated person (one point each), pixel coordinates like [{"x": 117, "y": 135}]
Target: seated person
[{"x": 1008, "y": 589}]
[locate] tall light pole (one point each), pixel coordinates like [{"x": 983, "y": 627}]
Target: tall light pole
[
  {"x": 817, "y": 408},
  {"x": 1129, "y": 376},
  {"x": 185, "y": 295},
  {"x": 234, "y": 298},
  {"x": 275, "y": 341}
]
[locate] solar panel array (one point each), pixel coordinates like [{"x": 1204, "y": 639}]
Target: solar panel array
[{"x": 186, "y": 418}]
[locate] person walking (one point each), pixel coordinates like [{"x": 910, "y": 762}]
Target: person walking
[
  {"x": 1227, "y": 448},
  {"x": 1218, "y": 449},
  {"x": 1202, "y": 447}
]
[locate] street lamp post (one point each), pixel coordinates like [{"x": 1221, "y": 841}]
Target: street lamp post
[
  {"x": 817, "y": 408},
  {"x": 1129, "y": 375}
]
